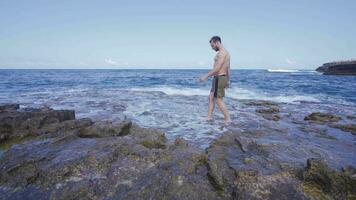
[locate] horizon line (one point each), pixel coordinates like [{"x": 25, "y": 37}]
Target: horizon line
[{"x": 165, "y": 68}]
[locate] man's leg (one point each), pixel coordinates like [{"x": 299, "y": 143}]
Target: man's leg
[
  {"x": 211, "y": 106},
  {"x": 223, "y": 109}
]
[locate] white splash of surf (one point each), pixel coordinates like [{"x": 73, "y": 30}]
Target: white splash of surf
[
  {"x": 283, "y": 70},
  {"x": 234, "y": 93}
]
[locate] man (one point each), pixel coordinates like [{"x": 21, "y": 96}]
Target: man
[{"x": 221, "y": 80}]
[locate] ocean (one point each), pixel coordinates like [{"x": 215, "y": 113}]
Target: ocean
[{"x": 173, "y": 100}]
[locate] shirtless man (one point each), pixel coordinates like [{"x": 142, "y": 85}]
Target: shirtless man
[{"x": 221, "y": 80}]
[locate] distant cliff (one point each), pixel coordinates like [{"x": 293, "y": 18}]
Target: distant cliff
[{"x": 338, "y": 68}]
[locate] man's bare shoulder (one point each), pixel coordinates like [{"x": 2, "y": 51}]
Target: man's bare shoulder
[
  {"x": 227, "y": 53},
  {"x": 222, "y": 54}
]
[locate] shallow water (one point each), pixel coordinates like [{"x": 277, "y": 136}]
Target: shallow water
[{"x": 174, "y": 101}]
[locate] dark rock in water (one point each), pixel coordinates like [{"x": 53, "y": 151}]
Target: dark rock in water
[
  {"x": 146, "y": 113},
  {"x": 260, "y": 103},
  {"x": 273, "y": 109},
  {"x": 338, "y": 68},
  {"x": 21, "y": 123},
  {"x": 268, "y": 111},
  {"x": 346, "y": 127},
  {"x": 351, "y": 117},
  {"x": 271, "y": 117},
  {"x": 9, "y": 107},
  {"x": 319, "y": 117}
]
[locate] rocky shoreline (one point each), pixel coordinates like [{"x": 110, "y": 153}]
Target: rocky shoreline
[
  {"x": 338, "y": 68},
  {"x": 49, "y": 154}
]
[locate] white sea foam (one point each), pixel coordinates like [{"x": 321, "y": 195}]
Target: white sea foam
[
  {"x": 283, "y": 70},
  {"x": 234, "y": 93},
  {"x": 240, "y": 93},
  {"x": 174, "y": 91},
  {"x": 293, "y": 99}
]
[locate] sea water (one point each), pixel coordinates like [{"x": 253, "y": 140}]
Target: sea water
[{"x": 174, "y": 100}]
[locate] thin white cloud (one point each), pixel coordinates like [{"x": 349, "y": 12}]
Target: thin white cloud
[
  {"x": 82, "y": 63},
  {"x": 112, "y": 62},
  {"x": 291, "y": 62},
  {"x": 201, "y": 63},
  {"x": 109, "y": 61}
]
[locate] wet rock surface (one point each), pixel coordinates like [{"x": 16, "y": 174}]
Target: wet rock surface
[
  {"x": 346, "y": 127},
  {"x": 15, "y": 122},
  {"x": 68, "y": 158},
  {"x": 321, "y": 182},
  {"x": 82, "y": 159},
  {"x": 242, "y": 166},
  {"x": 319, "y": 117},
  {"x": 268, "y": 110}
]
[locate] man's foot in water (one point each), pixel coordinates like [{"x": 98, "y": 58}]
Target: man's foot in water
[
  {"x": 227, "y": 123},
  {"x": 209, "y": 119}
]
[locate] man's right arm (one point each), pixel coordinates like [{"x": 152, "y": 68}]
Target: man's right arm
[
  {"x": 217, "y": 66},
  {"x": 229, "y": 77}
]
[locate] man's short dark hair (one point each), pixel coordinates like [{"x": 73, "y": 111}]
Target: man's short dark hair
[{"x": 215, "y": 39}]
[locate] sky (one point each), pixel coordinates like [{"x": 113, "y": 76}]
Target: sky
[{"x": 259, "y": 34}]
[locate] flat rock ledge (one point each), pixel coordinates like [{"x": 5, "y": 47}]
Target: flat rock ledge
[{"x": 56, "y": 156}]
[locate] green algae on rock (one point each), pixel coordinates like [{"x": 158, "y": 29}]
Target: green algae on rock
[
  {"x": 321, "y": 182},
  {"x": 319, "y": 117},
  {"x": 346, "y": 127}
]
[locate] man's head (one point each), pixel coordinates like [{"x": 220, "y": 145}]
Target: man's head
[{"x": 215, "y": 43}]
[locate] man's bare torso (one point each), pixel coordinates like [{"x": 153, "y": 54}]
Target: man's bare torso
[{"x": 226, "y": 61}]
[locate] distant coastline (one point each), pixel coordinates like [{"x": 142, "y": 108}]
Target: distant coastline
[
  {"x": 342, "y": 62},
  {"x": 347, "y": 67}
]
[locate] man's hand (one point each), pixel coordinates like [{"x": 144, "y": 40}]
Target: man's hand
[
  {"x": 203, "y": 78},
  {"x": 228, "y": 85}
]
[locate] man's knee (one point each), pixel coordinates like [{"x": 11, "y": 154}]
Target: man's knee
[{"x": 219, "y": 100}]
